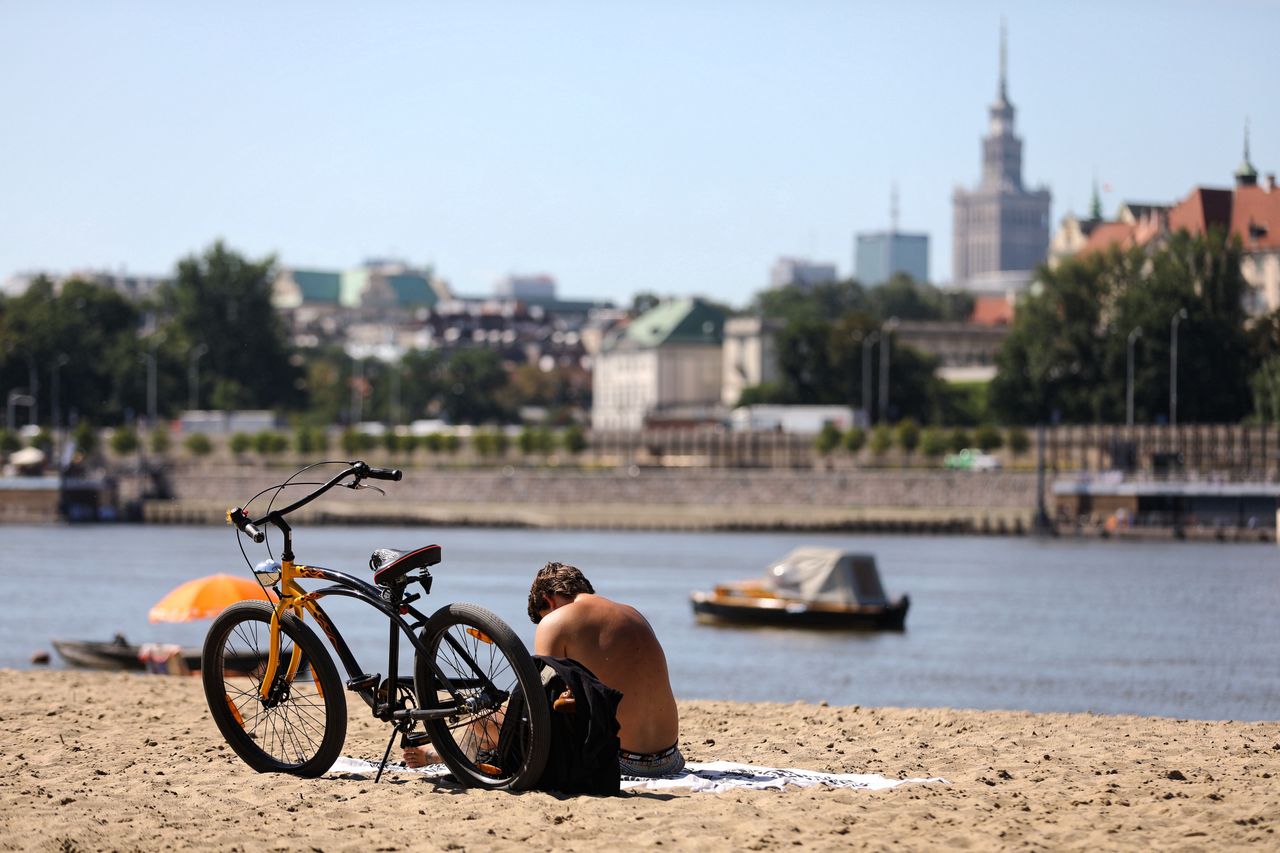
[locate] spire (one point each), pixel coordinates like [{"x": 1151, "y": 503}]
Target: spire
[
  {"x": 1003, "y": 95},
  {"x": 1095, "y": 205},
  {"x": 1246, "y": 175},
  {"x": 893, "y": 208}
]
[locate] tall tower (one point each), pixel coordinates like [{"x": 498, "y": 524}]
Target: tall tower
[{"x": 1000, "y": 229}]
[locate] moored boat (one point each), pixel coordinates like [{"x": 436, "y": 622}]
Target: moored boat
[
  {"x": 121, "y": 655},
  {"x": 808, "y": 588}
]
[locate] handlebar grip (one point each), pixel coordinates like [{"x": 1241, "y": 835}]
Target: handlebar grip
[
  {"x": 385, "y": 474},
  {"x": 238, "y": 517}
]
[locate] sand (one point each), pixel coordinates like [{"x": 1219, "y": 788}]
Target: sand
[{"x": 100, "y": 761}]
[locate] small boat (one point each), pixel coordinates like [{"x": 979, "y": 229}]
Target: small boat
[
  {"x": 122, "y": 655},
  {"x": 808, "y": 588}
]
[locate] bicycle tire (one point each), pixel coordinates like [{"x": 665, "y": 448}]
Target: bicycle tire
[
  {"x": 301, "y": 730},
  {"x": 503, "y": 659}
]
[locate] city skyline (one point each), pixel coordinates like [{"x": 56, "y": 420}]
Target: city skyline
[{"x": 660, "y": 147}]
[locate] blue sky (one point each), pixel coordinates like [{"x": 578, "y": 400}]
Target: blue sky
[{"x": 677, "y": 147}]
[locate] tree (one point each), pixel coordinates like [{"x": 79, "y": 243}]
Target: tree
[
  {"x": 1066, "y": 357},
  {"x": 223, "y": 300},
  {"x": 855, "y": 439},
  {"x": 933, "y": 442},
  {"x": 91, "y": 333},
  {"x": 124, "y": 441},
  {"x": 987, "y": 438},
  {"x": 828, "y": 438},
  {"x": 198, "y": 444},
  {"x": 881, "y": 439},
  {"x": 908, "y": 435},
  {"x": 473, "y": 378},
  {"x": 574, "y": 440}
]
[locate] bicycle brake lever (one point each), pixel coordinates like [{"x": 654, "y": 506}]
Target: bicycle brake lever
[{"x": 363, "y": 486}]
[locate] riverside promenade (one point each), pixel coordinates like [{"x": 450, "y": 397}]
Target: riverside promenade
[{"x": 901, "y": 501}]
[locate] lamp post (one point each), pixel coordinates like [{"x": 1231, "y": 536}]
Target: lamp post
[
  {"x": 59, "y": 361},
  {"x": 867, "y": 342},
  {"x": 193, "y": 376},
  {"x": 1173, "y": 365},
  {"x": 33, "y": 384},
  {"x": 1128, "y": 417},
  {"x": 886, "y": 331},
  {"x": 149, "y": 357}
]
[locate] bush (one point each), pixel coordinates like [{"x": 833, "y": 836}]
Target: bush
[
  {"x": 491, "y": 442},
  {"x": 908, "y": 435},
  {"x": 574, "y": 439},
  {"x": 452, "y": 444},
  {"x": 269, "y": 443},
  {"x": 1019, "y": 441},
  {"x": 124, "y": 441},
  {"x": 309, "y": 440},
  {"x": 240, "y": 443},
  {"x": 881, "y": 439},
  {"x": 434, "y": 442},
  {"x": 198, "y": 444},
  {"x": 160, "y": 441},
  {"x": 9, "y": 441},
  {"x": 933, "y": 442},
  {"x": 855, "y": 439},
  {"x": 958, "y": 439},
  {"x": 527, "y": 441},
  {"x": 828, "y": 438},
  {"x": 43, "y": 441},
  {"x": 987, "y": 438},
  {"x": 356, "y": 443},
  {"x": 85, "y": 437}
]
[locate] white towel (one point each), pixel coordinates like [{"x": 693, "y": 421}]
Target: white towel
[{"x": 712, "y": 777}]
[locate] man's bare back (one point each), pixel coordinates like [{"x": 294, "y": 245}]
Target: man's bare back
[{"x": 617, "y": 644}]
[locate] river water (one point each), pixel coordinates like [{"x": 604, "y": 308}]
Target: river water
[{"x": 1169, "y": 629}]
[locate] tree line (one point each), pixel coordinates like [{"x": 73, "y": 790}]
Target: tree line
[{"x": 1093, "y": 340}]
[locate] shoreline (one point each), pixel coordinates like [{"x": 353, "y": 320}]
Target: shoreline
[{"x": 104, "y": 760}]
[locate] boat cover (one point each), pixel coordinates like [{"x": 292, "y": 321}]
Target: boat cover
[{"x": 826, "y": 574}]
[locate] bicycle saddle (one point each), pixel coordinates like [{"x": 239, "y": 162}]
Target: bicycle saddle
[{"x": 390, "y": 566}]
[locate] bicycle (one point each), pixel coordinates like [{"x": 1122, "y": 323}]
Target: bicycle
[{"x": 276, "y": 696}]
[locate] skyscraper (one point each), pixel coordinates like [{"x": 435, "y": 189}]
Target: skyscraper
[
  {"x": 1001, "y": 229},
  {"x": 880, "y": 255}
]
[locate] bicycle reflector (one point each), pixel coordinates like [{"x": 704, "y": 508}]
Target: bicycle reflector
[{"x": 479, "y": 635}]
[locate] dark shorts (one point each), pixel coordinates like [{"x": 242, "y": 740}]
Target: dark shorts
[{"x": 664, "y": 762}]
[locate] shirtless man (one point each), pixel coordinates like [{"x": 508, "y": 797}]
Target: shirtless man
[{"x": 617, "y": 644}]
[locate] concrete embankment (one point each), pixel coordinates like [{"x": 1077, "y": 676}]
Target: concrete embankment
[{"x": 875, "y": 501}]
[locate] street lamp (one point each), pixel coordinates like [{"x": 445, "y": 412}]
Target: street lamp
[
  {"x": 59, "y": 361},
  {"x": 867, "y": 343},
  {"x": 150, "y": 358},
  {"x": 1133, "y": 336},
  {"x": 886, "y": 331},
  {"x": 33, "y": 383},
  {"x": 193, "y": 376},
  {"x": 1173, "y": 365}
]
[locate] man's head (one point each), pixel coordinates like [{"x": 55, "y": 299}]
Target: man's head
[{"x": 551, "y": 580}]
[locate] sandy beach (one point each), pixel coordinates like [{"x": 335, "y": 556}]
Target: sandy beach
[{"x": 100, "y": 761}]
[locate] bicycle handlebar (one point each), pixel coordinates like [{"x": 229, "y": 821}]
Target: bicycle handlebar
[{"x": 359, "y": 470}]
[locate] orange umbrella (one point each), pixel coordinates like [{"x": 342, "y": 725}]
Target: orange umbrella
[{"x": 205, "y": 598}]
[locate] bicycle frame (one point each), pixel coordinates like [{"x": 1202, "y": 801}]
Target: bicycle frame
[{"x": 390, "y": 601}]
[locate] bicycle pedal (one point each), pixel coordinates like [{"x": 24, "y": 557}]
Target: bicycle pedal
[{"x": 363, "y": 682}]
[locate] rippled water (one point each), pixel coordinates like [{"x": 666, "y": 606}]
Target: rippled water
[{"x": 1172, "y": 629}]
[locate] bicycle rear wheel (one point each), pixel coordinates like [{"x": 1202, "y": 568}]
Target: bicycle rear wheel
[
  {"x": 485, "y": 662},
  {"x": 301, "y": 725}
]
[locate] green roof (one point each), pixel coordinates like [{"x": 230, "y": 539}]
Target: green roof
[
  {"x": 681, "y": 321},
  {"x": 412, "y": 289},
  {"x": 317, "y": 286}
]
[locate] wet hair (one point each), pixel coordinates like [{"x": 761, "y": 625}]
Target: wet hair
[{"x": 551, "y": 579}]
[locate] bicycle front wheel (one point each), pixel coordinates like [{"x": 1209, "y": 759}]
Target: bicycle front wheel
[
  {"x": 484, "y": 662},
  {"x": 300, "y": 725}
]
